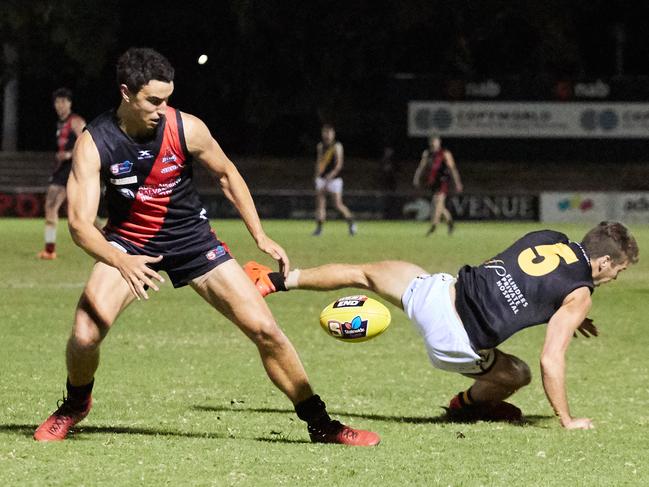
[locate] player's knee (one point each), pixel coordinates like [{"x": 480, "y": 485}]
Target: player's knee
[
  {"x": 267, "y": 335},
  {"x": 84, "y": 340}
]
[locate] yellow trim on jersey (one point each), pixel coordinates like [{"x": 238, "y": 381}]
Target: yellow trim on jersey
[{"x": 326, "y": 158}]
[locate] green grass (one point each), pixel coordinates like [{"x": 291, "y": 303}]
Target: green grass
[{"x": 182, "y": 399}]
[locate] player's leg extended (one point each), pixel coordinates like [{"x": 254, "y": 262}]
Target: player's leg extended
[
  {"x": 53, "y": 200},
  {"x": 105, "y": 296},
  {"x": 389, "y": 279},
  {"x": 229, "y": 290}
]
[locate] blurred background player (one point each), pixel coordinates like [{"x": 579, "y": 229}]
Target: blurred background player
[
  {"x": 543, "y": 277},
  {"x": 436, "y": 168},
  {"x": 68, "y": 127},
  {"x": 144, "y": 152},
  {"x": 328, "y": 179}
]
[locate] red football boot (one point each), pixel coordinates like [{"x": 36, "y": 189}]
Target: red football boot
[
  {"x": 258, "y": 274},
  {"x": 45, "y": 255},
  {"x": 493, "y": 411},
  {"x": 56, "y": 427},
  {"x": 336, "y": 432}
]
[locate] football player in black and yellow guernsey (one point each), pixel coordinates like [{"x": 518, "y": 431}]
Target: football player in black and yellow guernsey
[
  {"x": 329, "y": 166},
  {"x": 542, "y": 278}
]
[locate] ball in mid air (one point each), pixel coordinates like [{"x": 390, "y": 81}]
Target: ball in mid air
[{"x": 355, "y": 318}]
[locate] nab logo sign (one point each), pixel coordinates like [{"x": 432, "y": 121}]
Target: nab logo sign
[{"x": 350, "y": 302}]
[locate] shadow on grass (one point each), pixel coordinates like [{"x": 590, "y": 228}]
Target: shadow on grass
[
  {"x": 531, "y": 420},
  {"x": 28, "y": 430}
]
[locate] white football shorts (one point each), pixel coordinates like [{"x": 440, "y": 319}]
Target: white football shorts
[
  {"x": 427, "y": 303},
  {"x": 333, "y": 186}
]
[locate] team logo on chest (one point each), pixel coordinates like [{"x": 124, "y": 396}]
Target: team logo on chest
[{"x": 121, "y": 168}]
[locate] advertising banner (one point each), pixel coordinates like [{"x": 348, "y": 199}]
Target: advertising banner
[
  {"x": 576, "y": 207},
  {"x": 595, "y": 207},
  {"x": 528, "y": 119}
]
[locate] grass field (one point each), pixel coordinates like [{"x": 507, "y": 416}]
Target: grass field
[{"x": 182, "y": 399}]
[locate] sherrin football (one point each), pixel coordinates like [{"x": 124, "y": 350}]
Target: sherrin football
[{"x": 355, "y": 318}]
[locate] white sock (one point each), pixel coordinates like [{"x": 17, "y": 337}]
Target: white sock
[
  {"x": 50, "y": 234},
  {"x": 291, "y": 280}
]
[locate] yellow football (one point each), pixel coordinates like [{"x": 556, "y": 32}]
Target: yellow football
[{"x": 355, "y": 318}]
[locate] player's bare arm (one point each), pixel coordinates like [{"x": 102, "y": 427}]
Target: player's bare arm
[
  {"x": 205, "y": 149},
  {"x": 416, "y": 180},
  {"x": 450, "y": 162},
  {"x": 83, "y": 201},
  {"x": 561, "y": 328}
]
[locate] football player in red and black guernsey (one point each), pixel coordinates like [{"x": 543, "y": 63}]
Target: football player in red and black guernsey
[
  {"x": 542, "y": 278},
  {"x": 143, "y": 152},
  {"x": 68, "y": 128},
  {"x": 436, "y": 168}
]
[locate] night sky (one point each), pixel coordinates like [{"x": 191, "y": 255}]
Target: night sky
[{"x": 277, "y": 70}]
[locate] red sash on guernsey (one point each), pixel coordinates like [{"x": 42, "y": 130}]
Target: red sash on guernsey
[
  {"x": 64, "y": 134},
  {"x": 438, "y": 161},
  {"x": 150, "y": 207}
]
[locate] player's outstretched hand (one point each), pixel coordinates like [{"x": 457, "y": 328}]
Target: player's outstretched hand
[
  {"x": 276, "y": 251},
  {"x": 138, "y": 274},
  {"x": 587, "y": 328},
  {"x": 578, "y": 424}
]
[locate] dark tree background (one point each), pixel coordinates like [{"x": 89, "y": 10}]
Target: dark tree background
[{"x": 278, "y": 69}]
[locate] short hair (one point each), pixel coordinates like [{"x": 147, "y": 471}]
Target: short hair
[
  {"x": 328, "y": 126},
  {"x": 612, "y": 239},
  {"x": 139, "y": 65},
  {"x": 62, "y": 92}
]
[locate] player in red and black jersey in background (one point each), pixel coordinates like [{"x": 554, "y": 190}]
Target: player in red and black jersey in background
[
  {"x": 543, "y": 277},
  {"x": 435, "y": 170},
  {"x": 144, "y": 152},
  {"x": 68, "y": 127}
]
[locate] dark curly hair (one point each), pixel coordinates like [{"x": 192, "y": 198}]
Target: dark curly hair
[
  {"x": 139, "y": 65},
  {"x": 62, "y": 92},
  {"x": 612, "y": 239}
]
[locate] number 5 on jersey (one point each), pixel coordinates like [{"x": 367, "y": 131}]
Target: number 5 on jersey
[{"x": 543, "y": 259}]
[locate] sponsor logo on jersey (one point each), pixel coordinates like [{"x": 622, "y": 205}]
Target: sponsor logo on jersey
[
  {"x": 507, "y": 286},
  {"x": 162, "y": 190},
  {"x": 121, "y": 168},
  {"x": 127, "y": 193},
  {"x": 216, "y": 253},
  {"x": 350, "y": 302},
  {"x": 123, "y": 181},
  {"x": 168, "y": 157},
  {"x": 356, "y": 328},
  {"x": 167, "y": 169},
  {"x": 144, "y": 154}
]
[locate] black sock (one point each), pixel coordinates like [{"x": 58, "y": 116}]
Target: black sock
[
  {"x": 277, "y": 279},
  {"x": 318, "y": 225},
  {"x": 79, "y": 395},
  {"x": 314, "y": 411}
]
